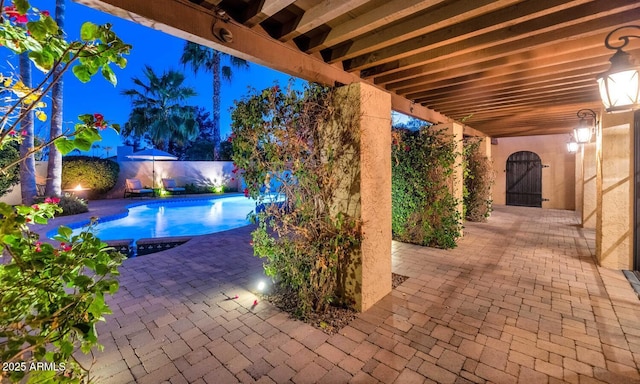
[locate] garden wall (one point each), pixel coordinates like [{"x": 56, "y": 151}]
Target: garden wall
[
  {"x": 192, "y": 172},
  {"x": 558, "y": 179}
]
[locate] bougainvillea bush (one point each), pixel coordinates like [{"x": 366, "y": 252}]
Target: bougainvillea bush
[
  {"x": 424, "y": 210},
  {"x": 282, "y": 144},
  {"x": 478, "y": 180},
  {"x": 51, "y": 293}
]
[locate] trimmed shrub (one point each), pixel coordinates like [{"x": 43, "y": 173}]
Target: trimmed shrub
[
  {"x": 100, "y": 175},
  {"x": 8, "y": 155},
  {"x": 478, "y": 179},
  {"x": 424, "y": 211}
]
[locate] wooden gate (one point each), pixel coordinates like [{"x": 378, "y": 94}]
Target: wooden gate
[{"x": 524, "y": 179}]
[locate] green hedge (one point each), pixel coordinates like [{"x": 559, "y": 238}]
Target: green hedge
[
  {"x": 8, "y": 155},
  {"x": 478, "y": 179},
  {"x": 424, "y": 211},
  {"x": 100, "y": 175}
]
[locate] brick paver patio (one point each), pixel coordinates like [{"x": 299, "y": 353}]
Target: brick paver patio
[{"x": 519, "y": 300}]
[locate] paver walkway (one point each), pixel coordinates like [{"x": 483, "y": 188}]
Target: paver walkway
[{"x": 519, "y": 300}]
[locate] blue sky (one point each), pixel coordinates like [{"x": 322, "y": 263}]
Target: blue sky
[{"x": 151, "y": 47}]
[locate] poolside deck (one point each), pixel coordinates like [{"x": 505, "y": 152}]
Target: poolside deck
[{"x": 519, "y": 300}]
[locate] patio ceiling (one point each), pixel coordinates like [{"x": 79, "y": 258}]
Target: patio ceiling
[{"x": 503, "y": 67}]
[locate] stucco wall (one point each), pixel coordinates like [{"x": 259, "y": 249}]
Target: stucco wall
[
  {"x": 558, "y": 179},
  {"x": 192, "y": 172}
]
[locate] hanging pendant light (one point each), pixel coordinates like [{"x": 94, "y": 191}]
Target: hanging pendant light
[
  {"x": 620, "y": 85},
  {"x": 586, "y": 127},
  {"x": 572, "y": 146}
]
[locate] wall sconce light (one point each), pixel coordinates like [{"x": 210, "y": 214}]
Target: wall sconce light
[
  {"x": 620, "y": 85},
  {"x": 586, "y": 128},
  {"x": 572, "y": 145}
]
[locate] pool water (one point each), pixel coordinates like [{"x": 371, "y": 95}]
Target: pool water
[{"x": 175, "y": 218}]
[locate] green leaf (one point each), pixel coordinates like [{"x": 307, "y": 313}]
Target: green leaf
[
  {"x": 82, "y": 73},
  {"x": 43, "y": 60},
  {"x": 22, "y": 6},
  {"x": 65, "y": 231},
  {"x": 90, "y": 134},
  {"x": 121, "y": 62},
  {"x": 108, "y": 74},
  {"x": 89, "y": 31},
  {"x": 116, "y": 127},
  {"x": 38, "y": 29},
  {"x": 82, "y": 144},
  {"x": 65, "y": 145},
  {"x": 51, "y": 25}
]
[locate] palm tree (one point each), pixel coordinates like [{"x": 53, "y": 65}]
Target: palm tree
[
  {"x": 28, "y": 164},
  {"x": 159, "y": 109},
  {"x": 208, "y": 59},
  {"x": 54, "y": 165}
]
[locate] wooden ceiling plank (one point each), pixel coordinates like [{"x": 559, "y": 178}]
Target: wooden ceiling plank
[
  {"x": 322, "y": 13},
  {"x": 500, "y": 94},
  {"x": 509, "y": 83},
  {"x": 458, "y": 78},
  {"x": 263, "y": 10},
  {"x": 502, "y": 99},
  {"x": 390, "y": 12},
  {"x": 546, "y": 39},
  {"x": 501, "y": 22},
  {"x": 415, "y": 26},
  {"x": 462, "y": 111}
]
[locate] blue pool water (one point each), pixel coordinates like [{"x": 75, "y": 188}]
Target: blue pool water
[{"x": 188, "y": 217}]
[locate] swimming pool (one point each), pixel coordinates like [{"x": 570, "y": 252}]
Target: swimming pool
[{"x": 169, "y": 218}]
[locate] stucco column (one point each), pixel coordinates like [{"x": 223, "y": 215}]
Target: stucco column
[
  {"x": 614, "y": 229},
  {"x": 589, "y": 190},
  {"x": 367, "y": 193},
  {"x": 456, "y": 183},
  {"x": 579, "y": 175}
]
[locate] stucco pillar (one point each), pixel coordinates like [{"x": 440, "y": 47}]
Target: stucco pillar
[
  {"x": 456, "y": 183},
  {"x": 614, "y": 229},
  {"x": 579, "y": 190},
  {"x": 368, "y": 191},
  {"x": 485, "y": 147},
  {"x": 589, "y": 190}
]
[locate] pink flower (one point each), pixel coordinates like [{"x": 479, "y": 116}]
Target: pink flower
[
  {"x": 55, "y": 200},
  {"x": 246, "y": 192},
  {"x": 45, "y": 13},
  {"x": 67, "y": 248},
  {"x": 12, "y": 133},
  {"x": 47, "y": 200},
  {"x": 23, "y": 132},
  {"x": 28, "y": 220},
  {"x": 36, "y": 207},
  {"x": 255, "y": 302}
]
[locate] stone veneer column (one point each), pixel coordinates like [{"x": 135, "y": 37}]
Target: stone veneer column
[
  {"x": 456, "y": 184},
  {"x": 614, "y": 222},
  {"x": 589, "y": 190},
  {"x": 366, "y": 189}
]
